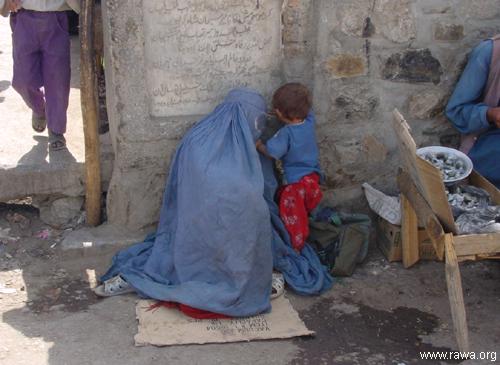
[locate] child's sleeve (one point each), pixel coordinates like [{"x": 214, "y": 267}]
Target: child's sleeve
[{"x": 277, "y": 146}]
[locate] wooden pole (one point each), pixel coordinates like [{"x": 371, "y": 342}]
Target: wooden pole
[
  {"x": 456, "y": 295},
  {"x": 89, "y": 100}
]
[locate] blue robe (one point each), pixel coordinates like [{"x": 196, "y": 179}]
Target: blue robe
[
  {"x": 467, "y": 112},
  {"x": 219, "y": 233}
]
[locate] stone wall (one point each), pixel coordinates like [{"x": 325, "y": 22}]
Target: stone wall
[{"x": 361, "y": 59}]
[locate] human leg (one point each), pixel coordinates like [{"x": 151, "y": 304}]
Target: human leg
[
  {"x": 296, "y": 201},
  {"x": 56, "y": 70},
  {"x": 313, "y": 194},
  {"x": 293, "y": 213},
  {"x": 27, "y": 76}
]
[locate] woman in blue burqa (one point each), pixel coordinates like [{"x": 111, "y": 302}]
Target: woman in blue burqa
[{"x": 219, "y": 235}]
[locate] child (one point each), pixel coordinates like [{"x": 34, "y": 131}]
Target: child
[
  {"x": 41, "y": 52},
  {"x": 295, "y": 145}
]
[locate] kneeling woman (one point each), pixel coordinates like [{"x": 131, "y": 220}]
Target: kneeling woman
[{"x": 213, "y": 249}]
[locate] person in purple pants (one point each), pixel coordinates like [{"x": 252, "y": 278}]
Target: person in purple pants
[{"x": 41, "y": 52}]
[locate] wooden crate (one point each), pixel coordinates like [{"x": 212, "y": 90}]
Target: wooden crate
[
  {"x": 390, "y": 243},
  {"x": 424, "y": 199}
]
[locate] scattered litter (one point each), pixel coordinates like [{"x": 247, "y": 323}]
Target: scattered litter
[
  {"x": 19, "y": 219},
  {"x": 43, "y": 234},
  {"x": 4, "y": 235},
  {"x": 4, "y": 290},
  {"x": 91, "y": 278}
]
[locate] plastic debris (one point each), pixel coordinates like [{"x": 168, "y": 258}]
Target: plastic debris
[
  {"x": 5, "y": 235},
  {"x": 43, "y": 234},
  {"x": 472, "y": 210},
  {"x": 4, "y": 290},
  {"x": 482, "y": 221},
  {"x": 467, "y": 198}
]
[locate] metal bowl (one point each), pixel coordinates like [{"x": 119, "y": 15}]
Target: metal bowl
[{"x": 461, "y": 163}]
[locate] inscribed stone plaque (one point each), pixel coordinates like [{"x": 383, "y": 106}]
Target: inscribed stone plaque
[{"x": 197, "y": 50}]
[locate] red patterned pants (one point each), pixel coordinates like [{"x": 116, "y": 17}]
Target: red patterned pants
[{"x": 296, "y": 201}]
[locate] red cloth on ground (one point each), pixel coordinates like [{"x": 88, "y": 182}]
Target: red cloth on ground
[
  {"x": 190, "y": 311},
  {"x": 296, "y": 201}
]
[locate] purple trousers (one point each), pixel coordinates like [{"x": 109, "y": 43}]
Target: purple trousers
[{"x": 41, "y": 51}]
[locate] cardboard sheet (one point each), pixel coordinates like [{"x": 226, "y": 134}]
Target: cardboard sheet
[{"x": 166, "y": 326}]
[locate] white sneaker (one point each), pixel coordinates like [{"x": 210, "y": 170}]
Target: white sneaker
[
  {"x": 278, "y": 285},
  {"x": 114, "y": 286}
]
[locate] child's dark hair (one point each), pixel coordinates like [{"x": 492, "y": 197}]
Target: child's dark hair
[{"x": 293, "y": 100}]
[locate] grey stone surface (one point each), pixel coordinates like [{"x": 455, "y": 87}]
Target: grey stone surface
[
  {"x": 212, "y": 46},
  {"x": 91, "y": 241},
  {"x": 427, "y": 103},
  {"x": 60, "y": 212},
  {"x": 361, "y": 59},
  {"x": 395, "y": 19}
]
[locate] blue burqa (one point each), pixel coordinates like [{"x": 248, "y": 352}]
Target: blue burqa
[{"x": 219, "y": 233}]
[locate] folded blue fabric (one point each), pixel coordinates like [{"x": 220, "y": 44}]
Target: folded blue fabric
[{"x": 219, "y": 233}]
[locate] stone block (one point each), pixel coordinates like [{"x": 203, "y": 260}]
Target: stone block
[
  {"x": 414, "y": 65},
  {"x": 479, "y": 9},
  {"x": 355, "y": 103},
  {"x": 374, "y": 150},
  {"x": 346, "y": 65},
  {"x": 448, "y": 32},
  {"x": 426, "y": 104},
  {"x": 352, "y": 16},
  {"x": 59, "y": 212},
  {"x": 394, "y": 19}
]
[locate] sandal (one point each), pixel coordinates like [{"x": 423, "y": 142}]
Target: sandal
[
  {"x": 57, "y": 141},
  {"x": 278, "y": 285},
  {"x": 38, "y": 123},
  {"x": 114, "y": 286}
]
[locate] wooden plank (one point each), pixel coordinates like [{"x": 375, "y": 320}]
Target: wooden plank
[
  {"x": 477, "y": 180},
  {"x": 433, "y": 186},
  {"x": 489, "y": 257},
  {"x": 456, "y": 296},
  {"x": 409, "y": 233},
  {"x": 467, "y": 258},
  {"x": 425, "y": 176},
  {"x": 477, "y": 244},
  {"x": 424, "y": 212},
  {"x": 436, "y": 234},
  {"x": 406, "y": 145}
]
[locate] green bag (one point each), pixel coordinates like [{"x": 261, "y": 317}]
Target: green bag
[{"x": 340, "y": 240}]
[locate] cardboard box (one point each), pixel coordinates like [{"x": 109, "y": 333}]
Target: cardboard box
[{"x": 389, "y": 242}]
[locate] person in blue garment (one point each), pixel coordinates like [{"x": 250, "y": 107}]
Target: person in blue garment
[
  {"x": 219, "y": 235},
  {"x": 474, "y": 109}
]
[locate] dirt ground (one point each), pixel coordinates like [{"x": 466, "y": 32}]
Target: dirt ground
[{"x": 384, "y": 314}]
